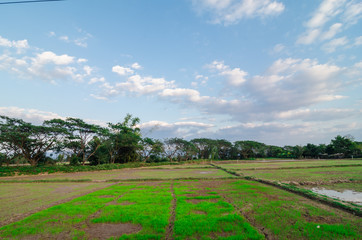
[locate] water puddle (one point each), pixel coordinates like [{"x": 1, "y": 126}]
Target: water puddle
[{"x": 346, "y": 195}]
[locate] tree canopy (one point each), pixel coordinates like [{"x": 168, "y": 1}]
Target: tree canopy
[{"x": 80, "y": 142}]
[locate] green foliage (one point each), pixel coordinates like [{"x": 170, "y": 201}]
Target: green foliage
[{"x": 19, "y": 138}]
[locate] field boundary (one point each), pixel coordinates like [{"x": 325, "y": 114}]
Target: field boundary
[
  {"x": 171, "y": 224},
  {"x": 301, "y": 192}
]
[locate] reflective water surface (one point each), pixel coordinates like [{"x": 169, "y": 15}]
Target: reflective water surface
[{"x": 346, "y": 195}]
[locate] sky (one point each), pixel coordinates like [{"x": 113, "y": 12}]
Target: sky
[{"x": 280, "y": 72}]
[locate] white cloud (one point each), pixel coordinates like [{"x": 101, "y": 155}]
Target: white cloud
[
  {"x": 29, "y": 115},
  {"x": 99, "y": 97},
  {"x": 88, "y": 70},
  {"x": 309, "y": 37},
  {"x": 342, "y": 12},
  {"x": 162, "y": 130},
  {"x": 64, "y": 38},
  {"x": 96, "y": 80},
  {"x": 144, "y": 85},
  {"x": 82, "y": 60},
  {"x": 327, "y": 10},
  {"x": 358, "y": 41},
  {"x": 136, "y": 66},
  {"x": 293, "y": 83},
  {"x": 50, "y": 57},
  {"x": 333, "y": 30},
  {"x": 135, "y": 84},
  {"x": 200, "y": 79},
  {"x": 20, "y": 44},
  {"x": 32, "y": 63},
  {"x": 286, "y": 86},
  {"x": 353, "y": 12},
  {"x": 80, "y": 40},
  {"x": 36, "y": 116},
  {"x": 335, "y": 43},
  {"x": 51, "y": 34},
  {"x": 316, "y": 114},
  {"x": 181, "y": 94},
  {"x": 232, "y": 11},
  {"x": 235, "y": 77},
  {"x": 278, "y": 48},
  {"x": 122, "y": 71}
]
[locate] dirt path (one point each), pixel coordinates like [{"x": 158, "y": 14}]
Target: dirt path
[{"x": 169, "y": 230}]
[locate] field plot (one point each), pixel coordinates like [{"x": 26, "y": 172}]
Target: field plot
[
  {"x": 21, "y": 199},
  {"x": 317, "y": 175},
  {"x": 188, "y": 209},
  {"x": 280, "y": 164},
  {"x": 126, "y": 174},
  {"x": 323, "y": 177}
]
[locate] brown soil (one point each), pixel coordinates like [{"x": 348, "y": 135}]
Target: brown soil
[
  {"x": 196, "y": 201},
  {"x": 169, "y": 230},
  {"x": 106, "y": 196},
  {"x": 319, "y": 219},
  {"x": 107, "y": 230},
  {"x": 199, "y": 212},
  {"x": 127, "y": 203}
]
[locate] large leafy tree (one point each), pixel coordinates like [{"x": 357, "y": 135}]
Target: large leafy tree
[
  {"x": 248, "y": 149},
  {"x": 203, "y": 146},
  {"x": 342, "y": 145},
  {"x": 78, "y": 135},
  {"x": 20, "y": 138},
  {"x": 151, "y": 147},
  {"x": 224, "y": 148},
  {"x": 125, "y": 140}
]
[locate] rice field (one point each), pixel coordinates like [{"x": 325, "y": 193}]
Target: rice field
[{"x": 172, "y": 203}]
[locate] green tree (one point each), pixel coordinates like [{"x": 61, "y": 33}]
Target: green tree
[
  {"x": 203, "y": 146},
  {"x": 77, "y": 136},
  {"x": 126, "y": 139},
  {"x": 342, "y": 145},
  {"x": 150, "y": 147},
  {"x": 18, "y": 137}
]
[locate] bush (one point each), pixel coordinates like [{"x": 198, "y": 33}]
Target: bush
[{"x": 75, "y": 160}]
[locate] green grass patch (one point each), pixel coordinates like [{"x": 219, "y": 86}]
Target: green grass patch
[
  {"x": 288, "y": 216},
  {"x": 199, "y": 218},
  {"x": 20, "y": 199}
]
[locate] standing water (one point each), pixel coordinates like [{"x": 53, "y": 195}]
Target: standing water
[{"x": 346, "y": 195}]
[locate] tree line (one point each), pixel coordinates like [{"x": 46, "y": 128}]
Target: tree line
[{"x": 75, "y": 141}]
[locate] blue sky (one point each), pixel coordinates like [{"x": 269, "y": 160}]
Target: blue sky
[{"x": 274, "y": 71}]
